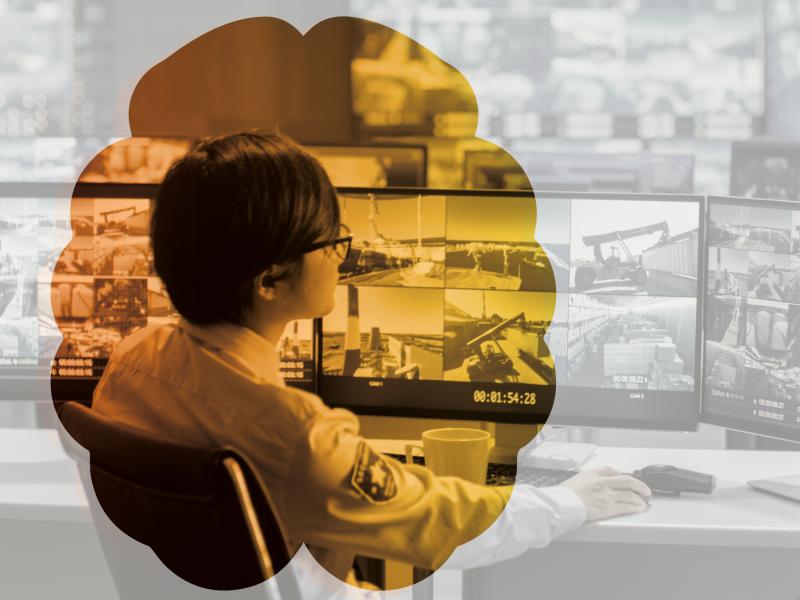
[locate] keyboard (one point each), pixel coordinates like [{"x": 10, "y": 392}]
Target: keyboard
[
  {"x": 536, "y": 476},
  {"x": 501, "y": 474}
]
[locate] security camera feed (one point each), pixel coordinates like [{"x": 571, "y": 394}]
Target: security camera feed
[
  {"x": 398, "y": 240},
  {"x": 634, "y": 247},
  {"x": 296, "y": 353},
  {"x": 498, "y": 337},
  {"x": 490, "y": 245},
  {"x": 626, "y": 347},
  {"x": 752, "y": 323},
  {"x": 632, "y": 342},
  {"x": 581, "y": 70},
  {"x": 121, "y": 238},
  {"x": 384, "y": 332},
  {"x": 30, "y": 231},
  {"x": 463, "y": 320},
  {"x": 761, "y": 169},
  {"x": 104, "y": 288},
  {"x": 753, "y": 227}
]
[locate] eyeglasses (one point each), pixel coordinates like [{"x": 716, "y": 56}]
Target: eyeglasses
[{"x": 341, "y": 245}]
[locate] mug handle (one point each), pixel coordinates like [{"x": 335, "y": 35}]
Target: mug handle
[{"x": 410, "y": 452}]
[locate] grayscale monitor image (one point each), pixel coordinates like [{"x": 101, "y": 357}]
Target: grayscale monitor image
[
  {"x": 752, "y": 317},
  {"x": 580, "y": 171},
  {"x": 765, "y": 169},
  {"x": 624, "y": 336}
]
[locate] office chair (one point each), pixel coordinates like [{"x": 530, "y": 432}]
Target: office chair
[{"x": 203, "y": 511}]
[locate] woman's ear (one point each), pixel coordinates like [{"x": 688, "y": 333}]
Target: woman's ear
[{"x": 265, "y": 284}]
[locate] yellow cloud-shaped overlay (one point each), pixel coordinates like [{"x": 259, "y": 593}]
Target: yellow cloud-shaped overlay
[{"x": 263, "y": 74}]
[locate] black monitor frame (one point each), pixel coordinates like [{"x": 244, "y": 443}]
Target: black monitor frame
[
  {"x": 339, "y": 397},
  {"x": 729, "y": 422}
]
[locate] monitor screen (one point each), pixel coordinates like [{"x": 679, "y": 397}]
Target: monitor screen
[
  {"x": 624, "y": 333},
  {"x": 31, "y": 229},
  {"x": 441, "y": 309},
  {"x": 580, "y": 171},
  {"x": 766, "y": 169},
  {"x": 374, "y": 165},
  {"x": 578, "y": 69},
  {"x": 446, "y": 308},
  {"x": 104, "y": 288},
  {"x": 752, "y": 317}
]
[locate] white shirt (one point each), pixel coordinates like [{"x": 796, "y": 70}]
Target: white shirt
[{"x": 221, "y": 386}]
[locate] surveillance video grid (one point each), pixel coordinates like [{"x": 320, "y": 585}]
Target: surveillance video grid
[
  {"x": 752, "y": 355},
  {"x": 492, "y": 322}
]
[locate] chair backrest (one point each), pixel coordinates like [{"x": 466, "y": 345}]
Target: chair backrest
[{"x": 196, "y": 507}]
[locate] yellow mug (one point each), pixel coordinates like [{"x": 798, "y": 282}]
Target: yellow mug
[{"x": 456, "y": 452}]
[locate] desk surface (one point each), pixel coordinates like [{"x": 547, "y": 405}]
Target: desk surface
[
  {"x": 37, "y": 479},
  {"x": 733, "y": 515},
  {"x": 39, "y": 482}
]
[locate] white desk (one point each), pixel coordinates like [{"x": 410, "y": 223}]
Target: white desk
[
  {"x": 39, "y": 484},
  {"x": 736, "y": 543},
  {"x": 734, "y": 515},
  {"x": 37, "y": 479}
]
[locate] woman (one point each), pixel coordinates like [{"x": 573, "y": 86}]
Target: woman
[{"x": 246, "y": 237}]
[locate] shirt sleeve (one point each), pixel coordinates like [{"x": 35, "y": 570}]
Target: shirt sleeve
[
  {"x": 532, "y": 519},
  {"x": 343, "y": 494}
]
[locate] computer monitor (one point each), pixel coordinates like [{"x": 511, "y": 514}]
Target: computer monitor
[
  {"x": 104, "y": 288},
  {"x": 624, "y": 333},
  {"x": 446, "y": 308},
  {"x": 375, "y": 165},
  {"x": 752, "y": 317},
  {"x": 580, "y": 171},
  {"x": 31, "y": 228},
  {"x": 765, "y": 169}
]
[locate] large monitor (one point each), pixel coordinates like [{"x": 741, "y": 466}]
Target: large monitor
[
  {"x": 752, "y": 317},
  {"x": 31, "y": 228},
  {"x": 580, "y": 171},
  {"x": 142, "y": 160},
  {"x": 446, "y": 308},
  {"x": 624, "y": 336},
  {"x": 580, "y": 69},
  {"x": 766, "y": 169},
  {"x": 104, "y": 288}
]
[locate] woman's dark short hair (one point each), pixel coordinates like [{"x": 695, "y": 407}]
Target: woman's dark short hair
[{"x": 230, "y": 209}]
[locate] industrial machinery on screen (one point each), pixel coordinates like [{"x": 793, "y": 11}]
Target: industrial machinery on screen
[
  {"x": 753, "y": 310},
  {"x": 441, "y": 287}
]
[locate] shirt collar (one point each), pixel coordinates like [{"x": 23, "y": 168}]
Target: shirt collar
[{"x": 255, "y": 353}]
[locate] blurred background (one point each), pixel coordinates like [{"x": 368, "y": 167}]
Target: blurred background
[
  {"x": 669, "y": 86},
  {"x": 675, "y": 96}
]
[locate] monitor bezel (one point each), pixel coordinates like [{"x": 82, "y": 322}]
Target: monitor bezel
[
  {"x": 688, "y": 424},
  {"x": 726, "y": 421}
]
